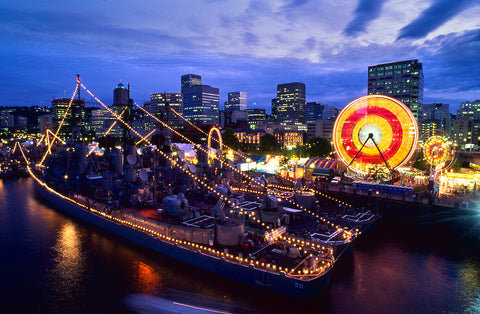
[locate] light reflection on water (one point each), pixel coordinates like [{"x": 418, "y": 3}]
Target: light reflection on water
[
  {"x": 68, "y": 262},
  {"x": 61, "y": 263},
  {"x": 146, "y": 279}
]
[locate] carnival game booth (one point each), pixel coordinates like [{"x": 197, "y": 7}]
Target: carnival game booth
[{"x": 320, "y": 167}]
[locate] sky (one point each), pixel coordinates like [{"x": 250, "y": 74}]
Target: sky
[{"x": 235, "y": 45}]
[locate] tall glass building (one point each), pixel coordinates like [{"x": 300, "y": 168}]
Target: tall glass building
[
  {"x": 75, "y": 114},
  {"x": 236, "y": 101},
  {"x": 291, "y": 103},
  {"x": 255, "y": 116},
  {"x": 313, "y": 112},
  {"x": 189, "y": 80},
  {"x": 466, "y": 127},
  {"x": 200, "y": 103},
  {"x": 158, "y": 107},
  {"x": 400, "y": 80}
]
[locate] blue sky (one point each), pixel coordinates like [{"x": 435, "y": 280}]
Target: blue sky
[{"x": 235, "y": 45}]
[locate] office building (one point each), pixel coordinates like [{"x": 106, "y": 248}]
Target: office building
[
  {"x": 436, "y": 117},
  {"x": 234, "y": 119},
  {"x": 273, "y": 115},
  {"x": 189, "y": 80},
  {"x": 291, "y": 103},
  {"x": 466, "y": 127},
  {"x": 74, "y": 115},
  {"x": 120, "y": 95},
  {"x": 324, "y": 129},
  {"x": 44, "y": 123},
  {"x": 400, "y": 80},
  {"x": 256, "y": 116},
  {"x": 236, "y": 101},
  {"x": 200, "y": 102},
  {"x": 7, "y": 119},
  {"x": 161, "y": 105},
  {"x": 313, "y": 112}
]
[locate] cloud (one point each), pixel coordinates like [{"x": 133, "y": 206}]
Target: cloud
[
  {"x": 294, "y": 3},
  {"x": 451, "y": 62},
  {"x": 250, "y": 39},
  {"x": 366, "y": 11},
  {"x": 433, "y": 17}
]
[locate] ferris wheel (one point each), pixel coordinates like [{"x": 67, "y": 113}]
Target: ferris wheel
[
  {"x": 375, "y": 129},
  {"x": 439, "y": 150}
]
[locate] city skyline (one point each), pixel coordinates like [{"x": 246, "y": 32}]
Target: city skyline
[{"x": 244, "y": 46}]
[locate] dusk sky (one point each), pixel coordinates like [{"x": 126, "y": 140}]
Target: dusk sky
[{"x": 249, "y": 46}]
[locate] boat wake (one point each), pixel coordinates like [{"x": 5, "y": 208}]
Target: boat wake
[{"x": 179, "y": 302}]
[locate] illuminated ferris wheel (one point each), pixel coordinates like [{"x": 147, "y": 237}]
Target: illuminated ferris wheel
[
  {"x": 375, "y": 129},
  {"x": 439, "y": 150}
]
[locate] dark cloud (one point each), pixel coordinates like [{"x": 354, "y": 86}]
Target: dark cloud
[
  {"x": 451, "y": 63},
  {"x": 72, "y": 28},
  {"x": 366, "y": 11},
  {"x": 43, "y": 50},
  {"x": 434, "y": 16}
]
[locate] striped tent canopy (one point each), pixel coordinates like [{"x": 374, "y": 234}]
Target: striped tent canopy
[{"x": 321, "y": 163}]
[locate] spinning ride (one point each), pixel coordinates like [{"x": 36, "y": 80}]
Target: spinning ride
[
  {"x": 375, "y": 129},
  {"x": 439, "y": 150}
]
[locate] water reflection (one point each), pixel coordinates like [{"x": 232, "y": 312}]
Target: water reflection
[
  {"x": 468, "y": 285},
  {"x": 146, "y": 279},
  {"x": 68, "y": 262},
  {"x": 66, "y": 265}
]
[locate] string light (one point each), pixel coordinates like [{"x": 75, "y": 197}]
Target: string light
[
  {"x": 61, "y": 122},
  {"x": 240, "y": 210}
]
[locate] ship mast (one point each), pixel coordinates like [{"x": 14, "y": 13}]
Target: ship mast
[{"x": 76, "y": 115}]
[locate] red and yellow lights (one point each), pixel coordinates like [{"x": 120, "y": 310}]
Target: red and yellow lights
[
  {"x": 438, "y": 150},
  {"x": 389, "y": 122}
]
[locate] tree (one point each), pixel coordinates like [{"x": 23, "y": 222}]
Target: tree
[
  {"x": 318, "y": 147},
  {"x": 230, "y": 139},
  {"x": 269, "y": 144}
]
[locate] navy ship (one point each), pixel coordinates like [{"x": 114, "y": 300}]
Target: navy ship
[{"x": 154, "y": 197}]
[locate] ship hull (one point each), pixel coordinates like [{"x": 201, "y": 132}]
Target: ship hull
[{"x": 248, "y": 274}]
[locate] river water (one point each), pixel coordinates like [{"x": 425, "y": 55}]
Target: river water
[{"x": 53, "y": 263}]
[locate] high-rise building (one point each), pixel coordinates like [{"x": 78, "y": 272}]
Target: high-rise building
[
  {"x": 189, "y": 80},
  {"x": 466, "y": 127},
  {"x": 7, "y": 119},
  {"x": 74, "y": 115},
  {"x": 158, "y": 106},
  {"x": 236, "y": 101},
  {"x": 101, "y": 121},
  {"x": 256, "y": 116},
  {"x": 291, "y": 103},
  {"x": 120, "y": 95},
  {"x": 273, "y": 115},
  {"x": 436, "y": 117},
  {"x": 324, "y": 129},
  {"x": 44, "y": 123},
  {"x": 400, "y": 80},
  {"x": 313, "y": 112},
  {"x": 200, "y": 103}
]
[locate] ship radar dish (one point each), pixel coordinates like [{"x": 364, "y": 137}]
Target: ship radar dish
[
  {"x": 192, "y": 168},
  {"x": 143, "y": 175},
  {"x": 439, "y": 150},
  {"x": 131, "y": 159},
  {"x": 375, "y": 129}
]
